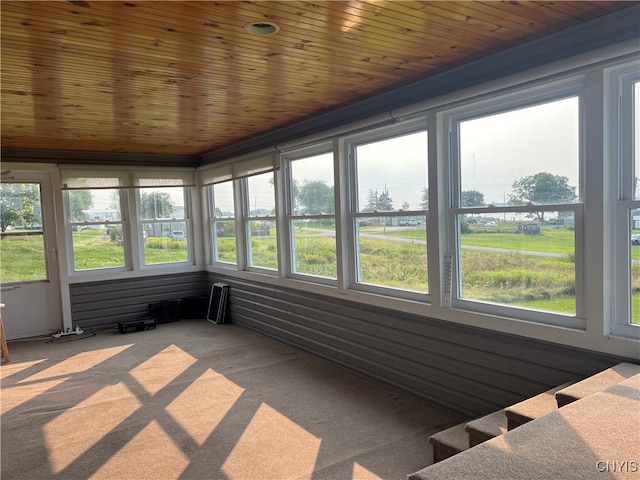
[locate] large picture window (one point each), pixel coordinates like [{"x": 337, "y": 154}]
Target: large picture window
[
  {"x": 390, "y": 202},
  {"x": 626, "y": 140},
  {"x": 634, "y": 147},
  {"x": 516, "y": 205}
]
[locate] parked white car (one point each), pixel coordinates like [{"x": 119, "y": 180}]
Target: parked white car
[{"x": 412, "y": 222}]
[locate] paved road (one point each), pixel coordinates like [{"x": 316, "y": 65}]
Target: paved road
[{"x": 393, "y": 238}]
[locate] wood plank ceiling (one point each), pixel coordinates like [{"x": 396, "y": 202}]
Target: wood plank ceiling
[{"x": 184, "y": 78}]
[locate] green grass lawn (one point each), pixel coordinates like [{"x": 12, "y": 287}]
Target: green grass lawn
[
  {"x": 94, "y": 249},
  {"x": 529, "y": 281},
  {"x": 22, "y": 259},
  {"x": 551, "y": 241}
]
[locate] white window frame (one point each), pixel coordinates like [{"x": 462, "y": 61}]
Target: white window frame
[
  {"x": 620, "y": 81},
  {"x": 354, "y": 216},
  {"x": 515, "y": 99}
]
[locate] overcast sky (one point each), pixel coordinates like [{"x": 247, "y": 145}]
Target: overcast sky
[{"x": 500, "y": 149}]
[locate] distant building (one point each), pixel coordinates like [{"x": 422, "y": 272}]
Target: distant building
[
  {"x": 103, "y": 215},
  {"x": 529, "y": 228}
]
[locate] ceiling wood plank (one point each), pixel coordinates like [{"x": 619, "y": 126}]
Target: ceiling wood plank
[{"x": 183, "y": 77}]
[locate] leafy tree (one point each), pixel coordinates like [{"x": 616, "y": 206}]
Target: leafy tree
[
  {"x": 20, "y": 205},
  {"x": 155, "y": 205},
  {"x": 316, "y": 197},
  {"x": 79, "y": 200},
  {"x": 424, "y": 200},
  {"x": 472, "y": 198},
  {"x": 542, "y": 188}
]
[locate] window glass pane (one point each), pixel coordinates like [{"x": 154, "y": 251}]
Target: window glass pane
[
  {"x": 635, "y": 214},
  {"x": 164, "y": 231},
  {"x": 98, "y": 246},
  {"x": 634, "y": 267},
  {"x": 22, "y": 240},
  {"x": 636, "y": 139},
  {"x": 261, "y": 195},
  {"x": 392, "y": 252},
  {"x": 312, "y": 185},
  {"x": 94, "y": 206},
  {"x": 314, "y": 243},
  {"x": 513, "y": 260},
  {"x": 223, "y": 200},
  {"x": 392, "y": 174},
  {"x": 165, "y": 242},
  {"x": 225, "y": 241},
  {"x": 161, "y": 203},
  {"x": 523, "y": 156},
  {"x": 96, "y": 224},
  {"x": 224, "y": 232},
  {"x": 264, "y": 245}
]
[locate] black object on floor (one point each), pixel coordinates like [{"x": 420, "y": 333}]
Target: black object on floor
[
  {"x": 166, "y": 311},
  {"x": 194, "y": 307},
  {"x": 137, "y": 325}
]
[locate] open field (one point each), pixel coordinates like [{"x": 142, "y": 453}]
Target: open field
[
  {"x": 503, "y": 268},
  {"x": 22, "y": 259}
]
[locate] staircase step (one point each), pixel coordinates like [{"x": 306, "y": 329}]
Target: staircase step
[
  {"x": 596, "y": 383},
  {"x": 486, "y": 428},
  {"x": 532, "y": 408},
  {"x": 449, "y": 442}
]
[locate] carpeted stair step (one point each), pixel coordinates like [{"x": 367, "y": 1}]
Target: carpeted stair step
[
  {"x": 566, "y": 444},
  {"x": 532, "y": 408},
  {"x": 449, "y": 442},
  {"x": 596, "y": 383},
  {"x": 486, "y": 428}
]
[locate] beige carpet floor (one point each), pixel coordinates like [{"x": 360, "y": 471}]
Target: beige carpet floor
[{"x": 194, "y": 400}]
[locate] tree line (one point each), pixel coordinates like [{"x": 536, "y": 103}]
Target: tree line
[{"x": 20, "y": 202}]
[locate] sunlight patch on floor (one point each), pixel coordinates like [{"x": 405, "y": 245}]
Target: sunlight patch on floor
[
  {"x": 161, "y": 369},
  {"x": 76, "y": 430},
  {"x": 272, "y": 446},
  {"x": 11, "y": 397},
  {"x": 151, "y": 450},
  {"x": 361, "y": 473},
  {"x": 203, "y": 404},
  {"x": 78, "y": 363},
  {"x": 9, "y": 369}
]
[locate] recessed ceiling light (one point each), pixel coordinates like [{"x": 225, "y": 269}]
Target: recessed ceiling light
[
  {"x": 133, "y": 123},
  {"x": 261, "y": 28}
]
